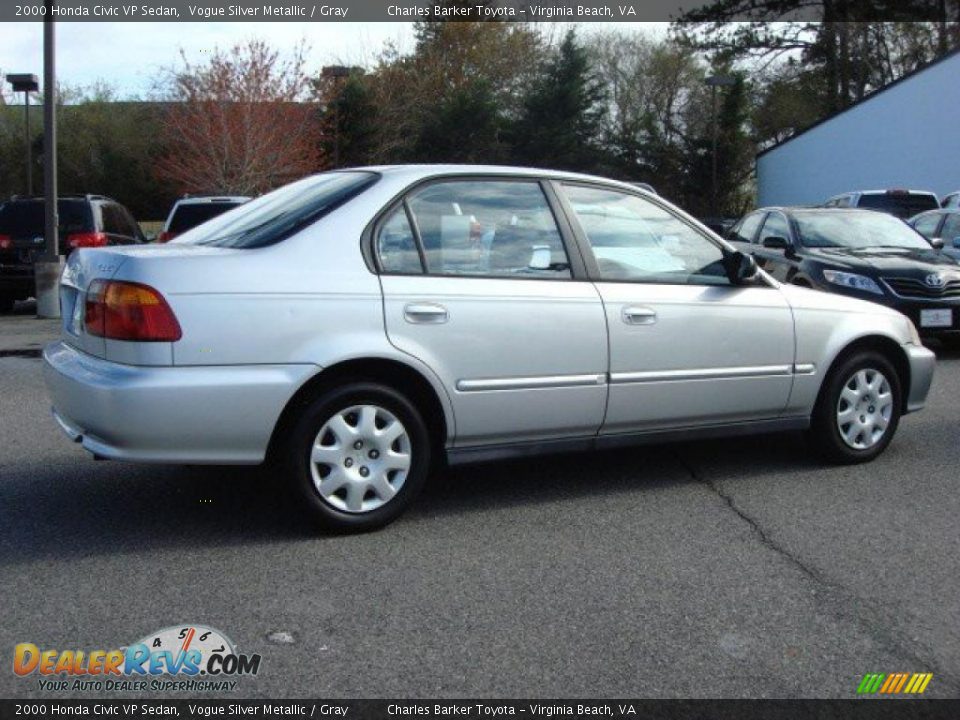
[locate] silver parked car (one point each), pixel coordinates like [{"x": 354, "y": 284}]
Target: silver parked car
[{"x": 360, "y": 326}]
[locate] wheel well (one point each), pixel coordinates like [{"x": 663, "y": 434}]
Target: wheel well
[
  {"x": 890, "y": 349},
  {"x": 396, "y": 375}
]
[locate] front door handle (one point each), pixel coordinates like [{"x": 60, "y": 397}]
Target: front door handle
[
  {"x": 639, "y": 315},
  {"x": 424, "y": 313}
]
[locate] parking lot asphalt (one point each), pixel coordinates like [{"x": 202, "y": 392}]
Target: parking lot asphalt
[{"x": 711, "y": 569}]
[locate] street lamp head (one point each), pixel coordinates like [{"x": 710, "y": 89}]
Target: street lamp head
[
  {"x": 23, "y": 82},
  {"x": 720, "y": 80}
]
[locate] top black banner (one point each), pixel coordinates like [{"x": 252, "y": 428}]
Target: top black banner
[{"x": 301, "y": 11}]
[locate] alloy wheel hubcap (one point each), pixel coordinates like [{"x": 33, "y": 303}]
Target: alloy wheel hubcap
[
  {"x": 864, "y": 409},
  {"x": 360, "y": 458}
]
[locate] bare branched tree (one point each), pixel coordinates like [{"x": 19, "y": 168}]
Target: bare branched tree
[{"x": 238, "y": 122}]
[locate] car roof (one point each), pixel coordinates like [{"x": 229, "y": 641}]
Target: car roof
[
  {"x": 818, "y": 209},
  {"x": 425, "y": 171},
  {"x": 198, "y": 199}
]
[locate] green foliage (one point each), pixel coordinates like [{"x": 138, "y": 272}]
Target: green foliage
[{"x": 559, "y": 124}]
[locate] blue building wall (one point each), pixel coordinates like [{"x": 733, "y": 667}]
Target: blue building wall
[{"x": 907, "y": 136}]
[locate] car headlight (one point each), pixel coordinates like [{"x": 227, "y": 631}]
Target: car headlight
[{"x": 852, "y": 280}]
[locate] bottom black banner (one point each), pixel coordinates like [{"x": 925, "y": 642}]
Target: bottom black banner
[{"x": 541, "y": 709}]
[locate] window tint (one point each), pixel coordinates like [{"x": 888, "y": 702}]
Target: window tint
[
  {"x": 189, "y": 215},
  {"x": 396, "y": 245},
  {"x": 112, "y": 220},
  {"x": 775, "y": 226},
  {"x": 489, "y": 227},
  {"x": 278, "y": 214},
  {"x": 636, "y": 240},
  {"x": 926, "y": 225},
  {"x": 746, "y": 229}
]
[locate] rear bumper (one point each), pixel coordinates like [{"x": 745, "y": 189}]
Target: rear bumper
[
  {"x": 922, "y": 362},
  {"x": 197, "y": 414}
]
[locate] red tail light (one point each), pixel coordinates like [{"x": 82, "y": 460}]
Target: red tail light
[
  {"x": 86, "y": 239},
  {"x": 166, "y": 236},
  {"x": 129, "y": 311},
  {"x": 6, "y": 242}
]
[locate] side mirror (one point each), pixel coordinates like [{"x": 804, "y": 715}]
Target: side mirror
[
  {"x": 741, "y": 268},
  {"x": 540, "y": 257},
  {"x": 775, "y": 242},
  {"x": 937, "y": 243}
]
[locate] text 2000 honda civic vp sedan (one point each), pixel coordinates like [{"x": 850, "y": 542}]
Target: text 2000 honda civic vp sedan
[{"x": 359, "y": 326}]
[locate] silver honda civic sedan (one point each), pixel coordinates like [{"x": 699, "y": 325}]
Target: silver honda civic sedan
[{"x": 360, "y": 327}]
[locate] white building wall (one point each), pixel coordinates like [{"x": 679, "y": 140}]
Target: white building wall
[{"x": 906, "y": 137}]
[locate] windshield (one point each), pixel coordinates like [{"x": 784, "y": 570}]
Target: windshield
[
  {"x": 277, "y": 215},
  {"x": 903, "y": 205},
  {"x": 858, "y": 230}
]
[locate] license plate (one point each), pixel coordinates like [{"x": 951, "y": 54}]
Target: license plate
[{"x": 936, "y": 318}]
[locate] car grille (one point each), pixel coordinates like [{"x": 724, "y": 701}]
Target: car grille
[{"x": 909, "y": 287}]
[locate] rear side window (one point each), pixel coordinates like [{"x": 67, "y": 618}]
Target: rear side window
[
  {"x": 25, "y": 218},
  {"x": 491, "y": 228},
  {"x": 188, "y": 215},
  {"x": 903, "y": 205},
  {"x": 397, "y": 246},
  {"x": 277, "y": 215}
]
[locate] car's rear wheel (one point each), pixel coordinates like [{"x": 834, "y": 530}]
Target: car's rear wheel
[
  {"x": 358, "y": 456},
  {"x": 858, "y": 410}
]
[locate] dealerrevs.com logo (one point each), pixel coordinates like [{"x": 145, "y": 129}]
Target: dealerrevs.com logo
[{"x": 180, "y": 658}]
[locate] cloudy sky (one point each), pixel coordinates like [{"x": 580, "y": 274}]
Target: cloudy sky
[{"x": 128, "y": 55}]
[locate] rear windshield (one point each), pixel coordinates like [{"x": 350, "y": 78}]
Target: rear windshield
[
  {"x": 189, "y": 215},
  {"x": 277, "y": 215},
  {"x": 24, "y": 218},
  {"x": 903, "y": 206}
]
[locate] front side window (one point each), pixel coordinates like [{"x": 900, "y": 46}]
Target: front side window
[
  {"x": 926, "y": 225},
  {"x": 951, "y": 229},
  {"x": 746, "y": 229},
  {"x": 775, "y": 226},
  {"x": 493, "y": 228},
  {"x": 635, "y": 240}
]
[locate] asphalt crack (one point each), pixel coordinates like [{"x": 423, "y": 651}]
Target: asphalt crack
[{"x": 872, "y": 617}]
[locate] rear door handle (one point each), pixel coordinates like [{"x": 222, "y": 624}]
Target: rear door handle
[
  {"x": 639, "y": 315},
  {"x": 424, "y": 313}
]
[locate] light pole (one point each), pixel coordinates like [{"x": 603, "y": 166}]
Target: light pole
[
  {"x": 715, "y": 81},
  {"x": 47, "y": 269},
  {"x": 335, "y": 73},
  {"x": 26, "y": 83}
]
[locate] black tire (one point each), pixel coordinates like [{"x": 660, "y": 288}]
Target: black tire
[
  {"x": 825, "y": 429},
  {"x": 6, "y": 303},
  {"x": 297, "y": 452}
]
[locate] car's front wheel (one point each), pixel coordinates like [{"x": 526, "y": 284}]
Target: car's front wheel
[
  {"x": 858, "y": 410},
  {"x": 358, "y": 456}
]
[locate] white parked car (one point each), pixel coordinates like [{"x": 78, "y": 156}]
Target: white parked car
[
  {"x": 192, "y": 210},
  {"x": 361, "y": 326}
]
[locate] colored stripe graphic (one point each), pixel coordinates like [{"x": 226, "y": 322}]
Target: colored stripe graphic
[{"x": 894, "y": 683}]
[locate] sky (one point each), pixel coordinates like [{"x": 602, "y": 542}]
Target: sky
[{"x": 128, "y": 55}]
